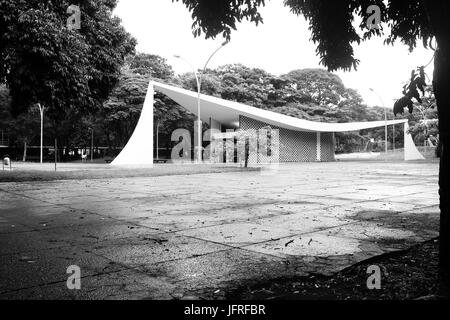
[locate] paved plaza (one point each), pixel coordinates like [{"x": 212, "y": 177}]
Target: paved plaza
[{"x": 198, "y": 235}]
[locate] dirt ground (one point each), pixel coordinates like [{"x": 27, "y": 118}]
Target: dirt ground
[{"x": 405, "y": 275}]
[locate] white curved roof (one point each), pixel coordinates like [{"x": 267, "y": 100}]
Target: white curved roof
[{"x": 227, "y": 113}]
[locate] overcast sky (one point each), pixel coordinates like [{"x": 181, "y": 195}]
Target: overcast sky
[{"x": 279, "y": 45}]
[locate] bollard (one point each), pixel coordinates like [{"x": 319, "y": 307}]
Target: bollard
[{"x": 7, "y": 162}]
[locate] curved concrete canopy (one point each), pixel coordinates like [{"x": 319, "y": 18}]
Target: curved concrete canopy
[
  {"x": 139, "y": 149},
  {"x": 227, "y": 113}
]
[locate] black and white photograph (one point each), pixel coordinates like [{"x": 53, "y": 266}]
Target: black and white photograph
[{"x": 222, "y": 156}]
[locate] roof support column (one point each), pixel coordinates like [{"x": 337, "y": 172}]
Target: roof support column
[{"x": 318, "y": 147}]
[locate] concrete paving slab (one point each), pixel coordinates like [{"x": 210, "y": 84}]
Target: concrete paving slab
[
  {"x": 122, "y": 285},
  {"x": 203, "y": 276},
  {"x": 222, "y": 229},
  {"x": 45, "y": 266},
  {"x": 238, "y": 234},
  {"x": 150, "y": 249},
  {"x": 303, "y": 222},
  {"x": 310, "y": 244}
]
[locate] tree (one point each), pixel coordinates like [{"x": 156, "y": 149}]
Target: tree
[
  {"x": 26, "y": 128},
  {"x": 5, "y": 108},
  {"x": 42, "y": 61},
  {"x": 423, "y": 117},
  {"x": 321, "y": 86},
  {"x": 22, "y": 129},
  {"x": 121, "y": 111},
  {"x": 151, "y": 65},
  {"x": 331, "y": 25}
]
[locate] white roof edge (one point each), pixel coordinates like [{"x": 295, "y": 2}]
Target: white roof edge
[{"x": 270, "y": 117}]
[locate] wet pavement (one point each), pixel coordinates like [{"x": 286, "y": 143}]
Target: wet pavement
[{"x": 197, "y": 236}]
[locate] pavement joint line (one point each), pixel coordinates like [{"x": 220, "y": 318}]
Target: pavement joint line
[
  {"x": 302, "y": 233},
  {"x": 243, "y": 220},
  {"x": 141, "y": 267},
  {"x": 137, "y": 268},
  {"x": 60, "y": 281},
  {"x": 426, "y": 207},
  {"x": 134, "y": 222},
  {"x": 227, "y": 222},
  {"x": 39, "y": 250},
  {"x": 370, "y": 200},
  {"x": 270, "y": 240},
  {"x": 53, "y": 228}
]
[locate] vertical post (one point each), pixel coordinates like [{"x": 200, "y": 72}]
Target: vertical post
[
  {"x": 385, "y": 123},
  {"x": 56, "y": 152},
  {"x": 199, "y": 124},
  {"x": 393, "y": 137},
  {"x": 333, "y": 138},
  {"x": 318, "y": 146},
  {"x": 41, "y": 111},
  {"x": 92, "y": 144},
  {"x": 198, "y": 127},
  {"x": 385, "y": 134},
  {"x": 157, "y": 140},
  {"x": 149, "y": 103}
]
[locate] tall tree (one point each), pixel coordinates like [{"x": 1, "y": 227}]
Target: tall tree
[
  {"x": 332, "y": 27},
  {"x": 321, "y": 86},
  {"x": 43, "y": 61},
  {"x": 121, "y": 111}
]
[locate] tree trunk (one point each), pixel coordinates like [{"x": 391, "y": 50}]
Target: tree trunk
[
  {"x": 438, "y": 12},
  {"x": 24, "y": 157},
  {"x": 441, "y": 84}
]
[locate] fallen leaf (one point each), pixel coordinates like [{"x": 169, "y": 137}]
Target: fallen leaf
[{"x": 288, "y": 243}]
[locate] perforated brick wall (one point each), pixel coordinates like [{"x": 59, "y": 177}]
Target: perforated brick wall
[
  {"x": 327, "y": 146},
  {"x": 295, "y": 146}
]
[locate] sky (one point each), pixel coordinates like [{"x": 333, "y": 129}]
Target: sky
[{"x": 279, "y": 45}]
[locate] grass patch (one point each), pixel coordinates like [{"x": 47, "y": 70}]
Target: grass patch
[{"x": 18, "y": 175}]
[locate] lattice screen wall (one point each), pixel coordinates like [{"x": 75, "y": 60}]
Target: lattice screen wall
[
  {"x": 295, "y": 146},
  {"x": 327, "y": 146}
]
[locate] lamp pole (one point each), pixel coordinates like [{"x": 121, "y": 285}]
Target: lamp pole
[
  {"x": 41, "y": 111},
  {"x": 92, "y": 144},
  {"x": 157, "y": 140},
  {"x": 199, "y": 83},
  {"x": 385, "y": 123}
]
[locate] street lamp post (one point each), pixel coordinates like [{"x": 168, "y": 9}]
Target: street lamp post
[
  {"x": 41, "y": 111},
  {"x": 385, "y": 123},
  {"x": 92, "y": 144},
  {"x": 157, "y": 140},
  {"x": 199, "y": 83}
]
